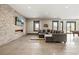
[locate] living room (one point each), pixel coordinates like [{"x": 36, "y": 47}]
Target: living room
[
  {"x": 33, "y": 29},
  {"x": 67, "y": 26}
]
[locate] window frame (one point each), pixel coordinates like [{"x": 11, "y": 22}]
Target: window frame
[
  {"x": 34, "y": 25},
  {"x": 62, "y": 25},
  {"x": 57, "y": 24},
  {"x": 70, "y": 25}
]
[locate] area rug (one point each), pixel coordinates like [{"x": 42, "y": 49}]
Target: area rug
[{"x": 37, "y": 38}]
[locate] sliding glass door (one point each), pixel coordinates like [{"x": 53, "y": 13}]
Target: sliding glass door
[{"x": 70, "y": 26}]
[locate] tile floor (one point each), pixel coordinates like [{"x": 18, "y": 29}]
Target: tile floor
[{"x": 26, "y": 46}]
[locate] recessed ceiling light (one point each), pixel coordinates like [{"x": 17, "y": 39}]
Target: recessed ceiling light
[
  {"x": 29, "y": 7},
  {"x": 66, "y": 7}
]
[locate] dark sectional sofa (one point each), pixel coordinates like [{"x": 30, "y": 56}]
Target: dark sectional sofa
[{"x": 57, "y": 36}]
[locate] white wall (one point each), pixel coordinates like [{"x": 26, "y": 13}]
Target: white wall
[
  {"x": 25, "y": 27},
  {"x": 45, "y": 21},
  {"x": 42, "y": 22},
  {"x": 49, "y": 22},
  {"x": 29, "y": 25}
]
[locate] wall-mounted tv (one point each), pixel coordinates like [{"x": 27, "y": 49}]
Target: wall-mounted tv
[{"x": 19, "y": 20}]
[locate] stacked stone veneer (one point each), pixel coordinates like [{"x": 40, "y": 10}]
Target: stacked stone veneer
[{"x": 7, "y": 24}]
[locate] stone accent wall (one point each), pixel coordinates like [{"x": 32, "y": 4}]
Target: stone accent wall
[{"x": 7, "y": 24}]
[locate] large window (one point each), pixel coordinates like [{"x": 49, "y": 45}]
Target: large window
[
  {"x": 55, "y": 25},
  {"x": 61, "y": 25},
  {"x": 36, "y": 25}
]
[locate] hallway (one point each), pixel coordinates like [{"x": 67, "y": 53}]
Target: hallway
[{"x": 26, "y": 46}]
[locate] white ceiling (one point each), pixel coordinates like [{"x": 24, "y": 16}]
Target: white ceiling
[{"x": 48, "y": 10}]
